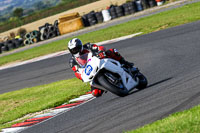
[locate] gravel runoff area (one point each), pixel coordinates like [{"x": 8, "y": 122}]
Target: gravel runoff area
[{"x": 135, "y": 16}]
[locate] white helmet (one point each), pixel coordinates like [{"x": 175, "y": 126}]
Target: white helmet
[{"x": 75, "y": 47}]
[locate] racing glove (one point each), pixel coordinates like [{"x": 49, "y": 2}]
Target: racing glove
[{"x": 101, "y": 54}]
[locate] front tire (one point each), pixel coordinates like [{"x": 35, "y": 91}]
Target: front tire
[
  {"x": 102, "y": 79},
  {"x": 142, "y": 81}
]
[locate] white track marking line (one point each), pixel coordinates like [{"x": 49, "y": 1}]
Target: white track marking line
[
  {"x": 82, "y": 98},
  {"x": 13, "y": 130}
]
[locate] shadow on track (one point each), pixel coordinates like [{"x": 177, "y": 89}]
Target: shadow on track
[
  {"x": 151, "y": 85},
  {"x": 159, "y": 82}
]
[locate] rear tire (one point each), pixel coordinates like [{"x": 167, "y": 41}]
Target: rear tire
[{"x": 110, "y": 87}]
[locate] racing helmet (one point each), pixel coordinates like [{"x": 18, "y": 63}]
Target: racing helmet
[{"x": 75, "y": 47}]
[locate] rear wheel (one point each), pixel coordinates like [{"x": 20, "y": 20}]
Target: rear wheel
[
  {"x": 142, "y": 81},
  {"x": 110, "y": 86}
]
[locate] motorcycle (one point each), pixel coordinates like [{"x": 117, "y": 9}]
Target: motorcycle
[{"x": 109, "y": 75}]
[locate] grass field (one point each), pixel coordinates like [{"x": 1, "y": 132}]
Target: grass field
[
  {"x": 167, "y": 19},
  {"x": 16, "y": 104},
  {"x": 187, "y": 121}
]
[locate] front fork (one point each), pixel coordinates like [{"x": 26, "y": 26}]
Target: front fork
[{"x": 133, "y": 72}]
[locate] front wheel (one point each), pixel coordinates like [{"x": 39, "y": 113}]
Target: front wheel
[
  {"x": 104, "y": 81},
  {"x": 142, "y": 81}
]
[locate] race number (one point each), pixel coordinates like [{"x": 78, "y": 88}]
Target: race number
[{"x": 88, "y": 69}]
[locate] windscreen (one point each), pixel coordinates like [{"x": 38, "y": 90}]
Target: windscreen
[{"x": 82, "y": 60}]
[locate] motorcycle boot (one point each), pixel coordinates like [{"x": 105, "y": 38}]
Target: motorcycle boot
[
  {"x": 126, "y": 63},
  {"x": 96, "y": 92}
]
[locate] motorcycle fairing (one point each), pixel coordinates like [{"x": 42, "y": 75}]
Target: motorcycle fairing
[
  {"x": 115, "y": 67},
  {"x": 94, "y": 65}
]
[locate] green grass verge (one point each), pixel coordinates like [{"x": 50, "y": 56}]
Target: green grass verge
[
  {"x": 16, "y": 104},
  {"x": 163, "y": 20},
  {"x": 187, "y": 121}
]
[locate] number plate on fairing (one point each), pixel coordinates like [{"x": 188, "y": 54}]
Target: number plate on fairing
[{"x": 88, "y": 70}]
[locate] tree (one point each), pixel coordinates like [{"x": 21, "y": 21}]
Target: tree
[
  {"x": 48, "y": 4},
  {"x": 39, "y": 5},
  {"x": 18, "y": 12}
]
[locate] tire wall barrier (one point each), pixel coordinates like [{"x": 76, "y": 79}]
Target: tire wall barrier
[
  {"x": 139, "y": 5},
  {"x": 145, "y": 4},
  {"x": 11, "y": 44},
  {"x": 116, "y": 11},
  {"x": 72, "y": 22},
  {"x": 99, "y": 17},
  {"x": 152, "y": 3},
  {"x": 113, "y": 12},
  {"x": 119, "y": 11},
  {"x": 32, "y": 37},
  {"x": 48, "y": 31},
  {"x": 92, "y": 20},
  {"x": 1, "y": 44}
]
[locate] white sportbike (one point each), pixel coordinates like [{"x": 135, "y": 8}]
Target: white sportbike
[{"x": 109, "y": 75}]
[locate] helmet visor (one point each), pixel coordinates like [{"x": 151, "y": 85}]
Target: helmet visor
[{"x": 75, "y": 50}]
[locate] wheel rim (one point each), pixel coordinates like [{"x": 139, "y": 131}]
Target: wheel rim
[{"x": 118, "y": 85}]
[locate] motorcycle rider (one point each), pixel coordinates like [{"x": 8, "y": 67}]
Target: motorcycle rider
[{"x": 76, "y": 48}]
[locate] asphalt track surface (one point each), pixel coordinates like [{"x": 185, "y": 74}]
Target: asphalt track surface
[{"x": 170, "y": 59}]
